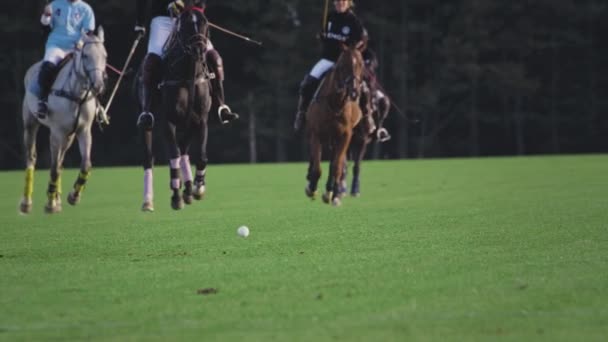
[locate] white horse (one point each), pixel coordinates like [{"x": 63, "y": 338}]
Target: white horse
[{"x": 73, "y": 106}]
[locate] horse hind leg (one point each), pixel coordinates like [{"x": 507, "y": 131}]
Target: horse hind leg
[
  {"x": 59, "y": 146},
  {"x": 177, "y": 202},
  {"x": 186, "y": 168},
  {"x": 338, "y": 163},
  {"x": 201, "y": 164},
  {"x": 314, "y": 168},
  {"x": 359, "y": 153},
  {"x": 84, "y": 144},
  {"x": 148, "y": 164}
]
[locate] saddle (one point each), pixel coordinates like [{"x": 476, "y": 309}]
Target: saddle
[{"x": 35, "y": 87}]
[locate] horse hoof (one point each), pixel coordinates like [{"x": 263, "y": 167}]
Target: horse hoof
[
  {"x": 327, "y": 197},
  {"x": 147, "y": 207},
  {"x": 52, "y": 209},
  {"x": 336, "y": 202},
  {"x": 311, "y": 194},
  {"x": 177, "y": 203},
  {"x": 355, "y": 194},
  {"x": 188, "y": 197},
  {"x": 25, "y": 207},
  {"x": 73, "y": 198},
  {"x": 199, "y": 192}
]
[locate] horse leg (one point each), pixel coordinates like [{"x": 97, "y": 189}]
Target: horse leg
[
  {"x": 84, "y": 144},
  {"x": 174, "y": 165},
  {"x": 339, "y": 158},
  {"x": 384, "y": 105},
  {"x": 201, "y": 163},
  {"x": 359, "y": 148},
  {"x": 148, "y": 164},
  {"x": 186, "y": 168},
  {"x": 343, "y": 183},
  {"x": 59, "y": 145},
  {"x": 314, "y": 167},
  {"x": 330, "y": 184},
  {"x": 29, "y": 139}
]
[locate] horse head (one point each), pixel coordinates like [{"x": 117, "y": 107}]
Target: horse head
[
  {"x": 90, "y": 61},
  {"x": 193, "y": 32},
  {"x": 349, "y": 70}
]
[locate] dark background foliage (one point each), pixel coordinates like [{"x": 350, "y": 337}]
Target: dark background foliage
[{"x": 485, "y": 77}]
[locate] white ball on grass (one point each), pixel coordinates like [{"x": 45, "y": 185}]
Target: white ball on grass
[{"x": 243, "y": 231}]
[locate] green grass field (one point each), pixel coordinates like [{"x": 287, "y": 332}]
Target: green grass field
[{"x": 509, "y": 249}]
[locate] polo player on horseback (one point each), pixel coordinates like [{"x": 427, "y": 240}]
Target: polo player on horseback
[
  {"x": 163, "y": 14},
  {"x": 67, "y": 19},
  {"x": 342, "y": 27}
]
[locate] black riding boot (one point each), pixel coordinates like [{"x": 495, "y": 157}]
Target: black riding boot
[
  {"x": 307, "y": 90},
  {"x": 215, "y": 64},
  {"x": 46, "y": 76},
  {"x": 150, "y": 77}
]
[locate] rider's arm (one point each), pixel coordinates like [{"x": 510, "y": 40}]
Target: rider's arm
[
  {"x": 356, "y": 36},
  {"x": 88, "y": 23}
]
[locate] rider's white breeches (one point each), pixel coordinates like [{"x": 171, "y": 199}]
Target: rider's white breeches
[
  {"x": 160, "y": 30},
  {"x": 55, "y": 54},
  {"x": 321, "y": 67}
]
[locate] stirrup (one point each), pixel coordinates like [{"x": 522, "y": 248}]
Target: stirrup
[
  {"x": 382, "y": 135},
  {"x": 145, "y": 120},
  {"x": 233, "y": 116}
]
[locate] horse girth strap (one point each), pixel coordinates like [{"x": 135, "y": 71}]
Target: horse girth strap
[
  {"x": 73, "y": 97},
  {"x": 174, "y": 83}
]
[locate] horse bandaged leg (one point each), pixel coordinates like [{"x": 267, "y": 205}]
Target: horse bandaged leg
[
  {"x": 199, "y": 184},
  {"x": 26, "y": 201},
  {"x": 148, "y": 185},
  {"x": 175, "y": 179},
  {"x": 81, "y": 181},
  {"x": 29, "y": 183},
  {"x": 186, "y": 168},
  {"x": 79, "y": 184},
  {"x": 53, "y": 193}
]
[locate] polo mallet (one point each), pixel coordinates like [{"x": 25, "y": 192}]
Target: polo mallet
[
  {"x": 234, "y": 34},
  {"x": 325, "y": 10},
  {"x": 104, "y": 115}
]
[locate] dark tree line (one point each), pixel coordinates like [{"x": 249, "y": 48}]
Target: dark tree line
[{"x": 483, "y": 77}]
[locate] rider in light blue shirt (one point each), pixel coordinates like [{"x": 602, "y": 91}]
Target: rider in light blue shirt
[{"x": 68, "y": 20}]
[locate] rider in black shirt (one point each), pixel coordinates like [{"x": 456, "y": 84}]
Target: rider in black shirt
[{"x": 343, "y": 27}]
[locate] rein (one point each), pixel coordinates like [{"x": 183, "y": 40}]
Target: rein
[{"x": 77, "y": 97}]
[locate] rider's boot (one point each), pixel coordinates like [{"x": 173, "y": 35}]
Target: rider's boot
[
  {"x": 307, "y": 90},
  {"x": 150, "y": 77},
  {"x": 46, "y": 76},
  {"x": 214, "y": 61}
]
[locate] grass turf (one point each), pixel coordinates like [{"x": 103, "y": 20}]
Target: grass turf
[{"x": 508, "y": 249}]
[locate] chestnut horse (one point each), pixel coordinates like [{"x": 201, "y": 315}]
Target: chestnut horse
[{"x": 330, "y": 120}]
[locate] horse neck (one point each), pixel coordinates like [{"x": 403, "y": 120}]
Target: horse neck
[{"x": 66, "y": 81}]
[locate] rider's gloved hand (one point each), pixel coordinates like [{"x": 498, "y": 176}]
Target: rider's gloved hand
[
  {"x": 45, "y": 19},
  {"x": 140, "y": 30}
]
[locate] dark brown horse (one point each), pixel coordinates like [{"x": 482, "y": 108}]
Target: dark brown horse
[{"x": 330, "y": 120}]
